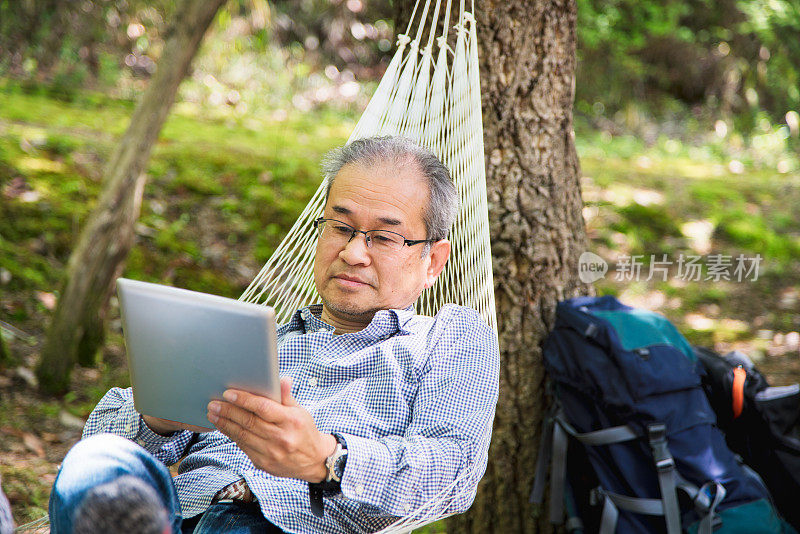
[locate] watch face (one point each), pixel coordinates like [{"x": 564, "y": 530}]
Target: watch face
[{"x": 338, "y": 466}]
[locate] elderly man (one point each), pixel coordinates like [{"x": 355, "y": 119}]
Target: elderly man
[{"x": 381, "y": 408}]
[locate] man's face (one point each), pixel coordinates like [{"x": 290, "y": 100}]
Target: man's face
[{"x": 355, "y": 281}]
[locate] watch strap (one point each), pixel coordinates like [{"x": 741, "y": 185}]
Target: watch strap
[
  {"x": 315, "y": 493},
  {"x": 318, "y": 490}
]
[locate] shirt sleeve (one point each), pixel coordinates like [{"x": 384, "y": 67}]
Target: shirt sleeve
[
  {"x": 443, "y": 453},
  {"x": 116, "y": 414}
]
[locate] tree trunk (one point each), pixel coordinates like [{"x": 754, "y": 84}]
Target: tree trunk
[
  {"x": 108, "y": 236},
  {"x": 527, "y": 56}
]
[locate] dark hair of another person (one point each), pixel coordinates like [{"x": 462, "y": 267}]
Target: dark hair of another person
[{"x": 126, "y": 504}]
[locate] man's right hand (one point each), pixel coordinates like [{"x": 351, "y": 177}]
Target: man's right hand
[{"x": 166, "y": 427}]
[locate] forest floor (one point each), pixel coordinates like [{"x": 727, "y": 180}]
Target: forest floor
[{"x": 222, "y": 190}]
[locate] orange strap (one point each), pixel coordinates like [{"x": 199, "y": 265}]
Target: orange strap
[{"x": 739, "y": 376}]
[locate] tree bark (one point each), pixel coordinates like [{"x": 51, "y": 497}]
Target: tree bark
[
  {"x": 108, "y": 236},
  {"x": 527, "y": 61}
]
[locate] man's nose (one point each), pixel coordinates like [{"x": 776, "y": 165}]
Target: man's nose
[{"x": 355, "y": 251}]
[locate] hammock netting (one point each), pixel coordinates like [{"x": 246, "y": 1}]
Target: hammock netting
[{"x": 434, "y": 101}]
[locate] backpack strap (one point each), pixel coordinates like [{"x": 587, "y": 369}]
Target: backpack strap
[
  {"x": 553, "y": 449},
  {"x": 665, "y": 466},
  {"x": 706, "y": 505},
  {"x": 542, "y": 459},
  {"x": 613, "y": 502}
]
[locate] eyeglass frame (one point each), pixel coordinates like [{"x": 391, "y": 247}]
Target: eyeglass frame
[{"x": 367, "y": 238}]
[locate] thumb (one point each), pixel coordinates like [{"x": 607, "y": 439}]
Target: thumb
[{"x": 286, "y": 392}]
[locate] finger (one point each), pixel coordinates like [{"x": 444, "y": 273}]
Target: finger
[
  {"x": 286, "y": 392},
  {"x": 265, "y": 408},
  {"x": 220, "y": 411},
  {"x": 255, "y": 447},
  {"x": 232, "y": 429}
]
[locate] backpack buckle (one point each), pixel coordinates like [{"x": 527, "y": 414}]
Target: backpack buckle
[
  {"x": 596, "y": 496},
  {"x": 665, "y": 464},
  {"x": 657, "y": 432},
  {"x": 657, "y": 435}
]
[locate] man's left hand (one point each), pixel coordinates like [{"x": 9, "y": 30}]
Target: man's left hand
[{"x": 279, "y": 437}]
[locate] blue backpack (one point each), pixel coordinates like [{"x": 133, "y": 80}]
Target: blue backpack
[{"x": 631, "y": 442}]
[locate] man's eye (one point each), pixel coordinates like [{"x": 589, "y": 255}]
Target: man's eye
[
  {"x": 342, "y": 229},
  {"x": 384, "y": 239}
]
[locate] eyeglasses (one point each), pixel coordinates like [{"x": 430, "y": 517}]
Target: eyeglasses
[{"x": 333, "y": 231}]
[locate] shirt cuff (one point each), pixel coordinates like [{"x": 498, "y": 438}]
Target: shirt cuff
[
  {"x": 130, "y": 424},
  {"x": 367, "y": 471},
  {"x": 152, "y": 441}
]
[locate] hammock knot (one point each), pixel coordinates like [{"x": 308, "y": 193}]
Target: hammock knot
[
  {"x": 403, "y": 39},
  {"x": 441, "y": 41},
  {"x": 469, "y": 17}
]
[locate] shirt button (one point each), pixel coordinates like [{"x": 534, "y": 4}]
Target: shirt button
[
  {"x": 129, "y": 428},
  {"x": 312, "y": 381},
  {"x": 141, "y": 442},
  {"x": 406, "y": 507},
  {"x": 360, "y": 490}
]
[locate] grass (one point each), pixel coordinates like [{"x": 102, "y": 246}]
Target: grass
[
  {"x": 222, "y": 191},
  {"x": 685, "y": 200},
  {"x": 212, "y": 183}
]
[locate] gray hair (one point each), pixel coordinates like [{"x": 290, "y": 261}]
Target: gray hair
[{"x": 443, "y": 200}]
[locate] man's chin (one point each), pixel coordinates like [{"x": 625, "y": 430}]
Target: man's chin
[{"x": 349, "y": 310}]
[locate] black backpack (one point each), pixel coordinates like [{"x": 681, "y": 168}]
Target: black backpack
[
  {"x": 632, "y": 445},
  {"x": 761, "y": 423}
]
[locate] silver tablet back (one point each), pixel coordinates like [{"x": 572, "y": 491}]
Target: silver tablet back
[{"x": 186, "y": 348}]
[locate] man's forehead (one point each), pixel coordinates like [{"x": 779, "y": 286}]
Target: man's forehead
[
  {"x": 391, "y": 194},
  {"x": 385, "y": 219},
  {"x": 382, "y": 178}
]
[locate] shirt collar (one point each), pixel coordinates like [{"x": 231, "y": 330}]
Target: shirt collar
[{"x": 385, "y": 323}]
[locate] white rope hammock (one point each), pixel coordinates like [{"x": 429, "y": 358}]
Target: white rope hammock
[{"x": 437, "y": 104}]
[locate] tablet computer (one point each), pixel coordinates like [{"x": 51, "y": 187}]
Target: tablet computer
[{"x": 186, "y": 348}]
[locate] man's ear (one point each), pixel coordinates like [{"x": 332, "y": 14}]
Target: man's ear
[{"x": 437, "y": 257}]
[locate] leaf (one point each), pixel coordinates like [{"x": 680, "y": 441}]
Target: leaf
[
  {"x": 47, "y": 299},
  {"x": 33, "y": 443}
]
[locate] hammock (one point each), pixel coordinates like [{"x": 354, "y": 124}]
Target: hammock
[{"x": 437, "y": 104}]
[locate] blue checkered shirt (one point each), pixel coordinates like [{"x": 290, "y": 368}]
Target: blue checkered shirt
[{"x": 412, "y": 396}]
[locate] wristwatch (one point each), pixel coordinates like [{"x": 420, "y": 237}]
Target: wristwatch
[
  {"x": 335, "y": 464},
  {"x": 336, "y": 461}
]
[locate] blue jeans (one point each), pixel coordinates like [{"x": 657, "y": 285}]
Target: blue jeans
[{"x": 105, "y": 457}]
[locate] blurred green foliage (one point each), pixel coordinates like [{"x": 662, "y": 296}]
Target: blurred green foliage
[
  {"x": 689, "y": 61},
  {"x": 646, "y": 66},
  {"x": 221, "y": 192}
]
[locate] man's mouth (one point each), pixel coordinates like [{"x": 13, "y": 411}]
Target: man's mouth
[{"x": 350, "y": 281}]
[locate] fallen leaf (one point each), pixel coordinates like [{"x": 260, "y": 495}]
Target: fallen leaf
[
  {"x": 50, "y": 437},
  {"x": 27, "y": 375},
  {"x": 33, "y": 443},
  {"x": 47, "y": 299},
  {"x": 11, "y": 430},
  {"x": 69, "y": 420}
]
